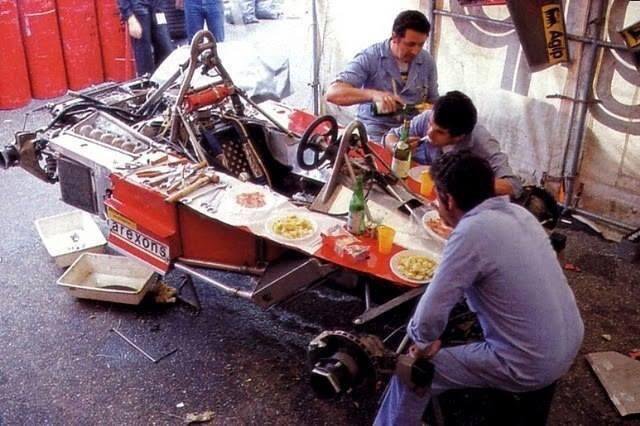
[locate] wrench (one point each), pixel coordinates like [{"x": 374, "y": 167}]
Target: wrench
[
  {"x": 215, "y": 188},
  {"x": 213, "y": 203}
]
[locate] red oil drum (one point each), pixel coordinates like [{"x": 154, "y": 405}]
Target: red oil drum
[
  {"x": 117, "y": 54},
  {"x": 43, "y": 48},
  {"x": 80, "y": 42},
  {"x": 14, "y": 76}
]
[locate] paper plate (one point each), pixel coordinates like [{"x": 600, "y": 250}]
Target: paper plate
[
  {"x": 394, "y": 263},
  {"x": 414, "y": 172},
  {"x": 296, "y": 221},
  {"x": 430, "y": 215}
]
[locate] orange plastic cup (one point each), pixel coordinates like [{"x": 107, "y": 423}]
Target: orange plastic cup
[
  {"x": 426, "y": 184},
  {"x": 385, "y": 238}
]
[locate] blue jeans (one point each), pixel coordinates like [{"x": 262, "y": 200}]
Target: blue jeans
[
  {"x": 474, "y": 365},
  {"x": 197, "y": 11},
  {"x": 155, "y": 44}
]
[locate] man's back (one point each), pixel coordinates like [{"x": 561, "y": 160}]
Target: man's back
[
  {"x": 526, "y": 309},
  {"x": 500, "y": 259}
]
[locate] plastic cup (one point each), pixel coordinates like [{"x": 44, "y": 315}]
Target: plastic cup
[
  {"x": 426, "y": 184},
  {"x": 385, "y": 238}
]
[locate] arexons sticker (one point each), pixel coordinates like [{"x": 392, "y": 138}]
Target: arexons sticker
[{"x": 149, "y": 245}]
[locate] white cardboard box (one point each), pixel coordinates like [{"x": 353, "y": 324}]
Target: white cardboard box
[
  {"x": 66, "y": 236},
  {"x": 109, "y": 278}
]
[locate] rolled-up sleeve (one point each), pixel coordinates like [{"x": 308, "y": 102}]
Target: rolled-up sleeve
[
  {"x": 500, "y": 163},
  {"x": 357, "y": 71},
  {"x": 458, "y": 271}
]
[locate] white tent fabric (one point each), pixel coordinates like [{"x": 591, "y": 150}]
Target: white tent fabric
[
  {"x": 610, "y": 167},
  {"x": 529, "y": 113}
]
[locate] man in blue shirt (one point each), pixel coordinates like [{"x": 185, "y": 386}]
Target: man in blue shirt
[
  {"x": 389, "y": 74},
  {"x": 147, "y": 25},
  {"x": 451, "y": 126},
  {"x": 500, "y": 259}
]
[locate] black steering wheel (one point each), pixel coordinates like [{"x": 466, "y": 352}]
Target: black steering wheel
[{"x": 318, "y": 139}]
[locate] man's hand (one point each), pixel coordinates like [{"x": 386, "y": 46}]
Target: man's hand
[
  {"x": 135, "y": 29},
  {"x": 413, "y": 142},
  {"x": 428, "y": 352},
  {"x": 389, "y": 101},
  {"x": 180, "y": 4},
  {"x": 390, "y": 141}
]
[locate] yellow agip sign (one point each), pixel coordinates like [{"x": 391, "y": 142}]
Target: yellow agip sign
[{"x": 555, "y": 33}]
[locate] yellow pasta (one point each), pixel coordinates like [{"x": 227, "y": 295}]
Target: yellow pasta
[
  {"x": 417, "y": 268},
  {"x": 292, "y": 227}
]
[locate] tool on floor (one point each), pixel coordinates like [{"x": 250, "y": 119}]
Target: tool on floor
[{"x": 139, "y": 349}]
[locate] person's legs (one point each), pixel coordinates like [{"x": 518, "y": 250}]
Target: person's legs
[
  {"x": 475, "y": 365},
  {"x": 401, "y": 406},
  {"x": 161, "y": 38},
  {"x": 193, "y": 16},
  {"x": 142, "y": 49},
  {"x": 214, "y": 13},
  {"x": 466, "y": 366}
]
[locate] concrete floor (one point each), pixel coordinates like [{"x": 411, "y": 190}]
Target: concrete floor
[{"x": 62, "y": 365}]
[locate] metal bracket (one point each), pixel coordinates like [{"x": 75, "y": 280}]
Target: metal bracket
[
  {"x": 287, "y": 278},
  {"x": 574, "y": 100},
  {"x": 187, "y": 281},
  {"x": 375, "y": 312},
  {"x": 213, "y": 282}
]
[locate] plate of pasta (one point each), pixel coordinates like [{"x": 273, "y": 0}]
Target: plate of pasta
[
  {"x": 291, "y": 226},
  {"x": 415, "y": 266}
]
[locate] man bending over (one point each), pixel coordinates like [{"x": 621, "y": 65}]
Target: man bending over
[{"x": 500, "y": 259}]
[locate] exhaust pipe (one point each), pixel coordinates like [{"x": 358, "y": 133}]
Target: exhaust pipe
[{"x": 27, "y": 153}]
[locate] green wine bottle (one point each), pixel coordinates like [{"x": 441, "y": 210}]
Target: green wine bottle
[
  {"x": 401, "y": 161},
  {"x": 356, "y": 219}
]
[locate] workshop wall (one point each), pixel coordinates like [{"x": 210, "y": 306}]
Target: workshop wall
[{"x": 528, "y": 112}]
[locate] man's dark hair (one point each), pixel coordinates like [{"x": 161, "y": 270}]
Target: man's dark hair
[
  {"x": 464, "y": 176},
  {"x": 456, "y": 113},
  {"x": 411, "y": 20}
]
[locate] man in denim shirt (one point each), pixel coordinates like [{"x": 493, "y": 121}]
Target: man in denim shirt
[
  {"x": 389, "y": 74},
  {"x": 147, "y": 25},
  {"x": 451, "y": 126},
  {"x": 499, "y": 259}
]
